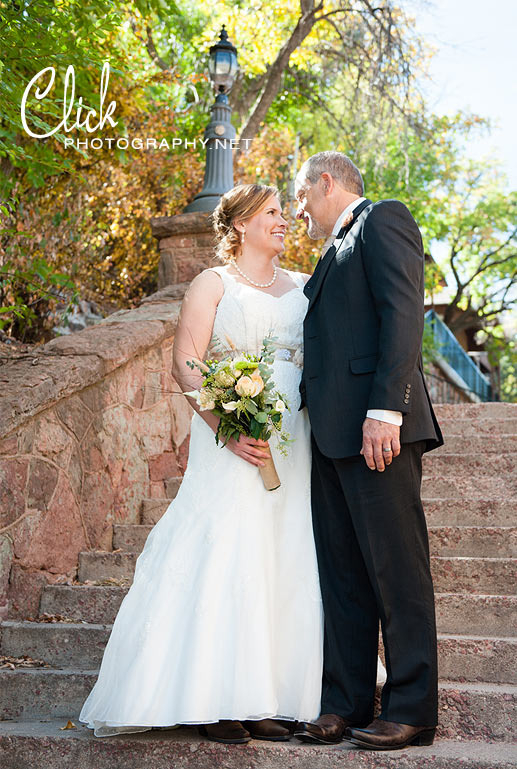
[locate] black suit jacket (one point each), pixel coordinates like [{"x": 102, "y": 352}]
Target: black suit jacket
[{"x": 363, "y": 332}]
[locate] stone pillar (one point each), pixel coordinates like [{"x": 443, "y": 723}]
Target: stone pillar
[{"x": 186, "y": 243}]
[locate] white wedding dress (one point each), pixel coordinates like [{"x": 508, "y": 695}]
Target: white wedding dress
[{"x": 224, "y": 616}]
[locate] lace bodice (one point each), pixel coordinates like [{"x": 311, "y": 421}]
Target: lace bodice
[{"x": 246, "y": 315}]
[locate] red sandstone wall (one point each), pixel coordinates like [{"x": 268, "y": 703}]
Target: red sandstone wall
[{"x": 80, "y": 458}]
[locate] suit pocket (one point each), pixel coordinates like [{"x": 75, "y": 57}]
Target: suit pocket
[{"x": 365, "y": 365}]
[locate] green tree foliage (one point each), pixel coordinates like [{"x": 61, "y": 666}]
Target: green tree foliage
[
  {"x": 35, "y": 35},
  {"x": 338, "y": 74},
  {"x": 85, "y": 214}
]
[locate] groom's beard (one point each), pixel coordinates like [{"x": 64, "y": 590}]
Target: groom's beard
[{"x": 314, "y": 230}]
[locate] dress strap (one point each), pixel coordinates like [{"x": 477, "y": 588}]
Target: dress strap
[
  {"x": 221, "y": 270},
  {"x": 297, "y": 277}
]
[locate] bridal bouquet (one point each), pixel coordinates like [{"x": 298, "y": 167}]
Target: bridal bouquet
[{"x": 240, "y": 391}]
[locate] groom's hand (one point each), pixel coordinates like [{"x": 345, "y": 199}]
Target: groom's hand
[{"x": 378, "y": 436}]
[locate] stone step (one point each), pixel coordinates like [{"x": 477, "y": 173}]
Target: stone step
[
  {"x": 470, "y": 465},
  {"x": 478, "y": 541},
  {"x": 476, "y": 658},
  {"x": 81, "y": 646},
  {"x": 471, "y": 711},
  {"x": 130, "y": 537},
  {"x": 35, "y": 743},
  {"x": 97, "y": 604},
  {"x": 483, "y": 576},
  {"x": 470, "y": 512},
  {"x": 59, "y": 644},
  {"x": 153, "y": 509},
  {"x": 481, "y": 541},
  {"x": 477, "y": 510},
  {"x": 487, "y": 576},
  {"x": 483, "y": 615},
  {"x": 43, "y": 693},
  {"x": 23, "y": 743},
  {"x": 475, "y": 411},
  {"x": 479, "y": 444},
  {"x": 468, "y": 487},
  {"x": 97, "y": 565},
  {"x": 492, "y": 615},
  {"x": 467, "y": 710},
  {"x": 480, "y": 427}
]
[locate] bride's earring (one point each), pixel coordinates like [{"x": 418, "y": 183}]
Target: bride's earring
[{"x": 243, "y": 237}]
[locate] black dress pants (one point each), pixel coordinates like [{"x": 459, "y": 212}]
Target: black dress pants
[{"x": 373, "y": 554}]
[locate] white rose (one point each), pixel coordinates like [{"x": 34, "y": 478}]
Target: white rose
[
  {"x": 206, "y": 402},
  {"x": 231, "y": 406},
  {"x": 279, "y": 406},
  {"x": 245, "y": 387},
  {"x": 258, "y": 382}
]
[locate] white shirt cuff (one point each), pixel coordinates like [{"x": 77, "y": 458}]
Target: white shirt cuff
[{"x": 393, "y": 417}]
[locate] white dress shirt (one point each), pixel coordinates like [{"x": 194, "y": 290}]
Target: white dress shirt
[{"x": 383, "y": 415}]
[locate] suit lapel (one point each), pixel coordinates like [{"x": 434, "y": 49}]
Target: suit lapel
[
  {"x": 313, "y": 285},
  {"x": 313, "y": 280}
]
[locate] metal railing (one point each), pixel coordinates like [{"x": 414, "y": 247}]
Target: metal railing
[{"x": 450, "y": 349}]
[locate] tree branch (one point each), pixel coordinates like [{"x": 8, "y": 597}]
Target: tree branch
[
  {"x": 274, "y": 80},
  {"x": 153, "y": 53}
]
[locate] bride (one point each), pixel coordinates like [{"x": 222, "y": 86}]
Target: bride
[{"x": 222, "y": 626}]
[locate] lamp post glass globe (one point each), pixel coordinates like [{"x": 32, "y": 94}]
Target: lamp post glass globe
[{"x": 222, "y": 65}]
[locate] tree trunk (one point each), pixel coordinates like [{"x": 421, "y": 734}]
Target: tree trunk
[{"x": 274, "y": 79}]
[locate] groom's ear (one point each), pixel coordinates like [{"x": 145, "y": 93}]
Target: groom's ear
[{"x": 327, "y": 183}]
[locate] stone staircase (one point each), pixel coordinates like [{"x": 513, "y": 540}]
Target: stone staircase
[{"x": 470, "y": 498}]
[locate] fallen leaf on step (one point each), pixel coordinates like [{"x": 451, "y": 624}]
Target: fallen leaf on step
[
  {"x": 52, "y": 618},
  {"x": 69, "y": 725},
  {"x": 21, "y": 662}
]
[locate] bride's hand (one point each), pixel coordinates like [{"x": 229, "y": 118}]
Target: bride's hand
[{"x": 250, "y": 449}]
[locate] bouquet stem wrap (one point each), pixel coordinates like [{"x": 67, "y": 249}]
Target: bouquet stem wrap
[{"x": 269, "y": 475}]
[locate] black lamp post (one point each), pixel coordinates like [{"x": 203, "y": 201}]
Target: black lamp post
[{"x": 220, "y": 133}]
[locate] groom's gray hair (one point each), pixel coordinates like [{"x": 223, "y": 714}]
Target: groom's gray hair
[{"x": 339, "y": 166}]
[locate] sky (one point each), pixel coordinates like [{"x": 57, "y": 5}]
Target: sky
[{"x": 475, "y": 68}]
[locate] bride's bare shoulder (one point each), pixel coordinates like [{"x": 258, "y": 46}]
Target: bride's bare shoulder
[{"x": 208, "y": 285}]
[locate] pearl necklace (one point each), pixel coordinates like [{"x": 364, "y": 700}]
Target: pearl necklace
[{"x": 253, "y": 283}]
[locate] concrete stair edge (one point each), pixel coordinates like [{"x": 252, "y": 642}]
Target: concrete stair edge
[
  {"x": 451, "y": 573},
  {"x": 467, "y": 710},
  {"x": 66, "y": 645},
  {"x": 98, "y": 604},
  {"x": 476, "y": 541},
  {"x": 162, "y": 749}
]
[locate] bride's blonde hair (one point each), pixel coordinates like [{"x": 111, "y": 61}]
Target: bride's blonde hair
[{"x": 238, "y": 204}]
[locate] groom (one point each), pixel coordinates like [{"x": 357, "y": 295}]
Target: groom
[{"x": 371, "y": 420}]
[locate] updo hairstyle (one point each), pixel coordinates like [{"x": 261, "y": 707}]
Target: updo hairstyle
[{"x": 238, "y": 204}]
